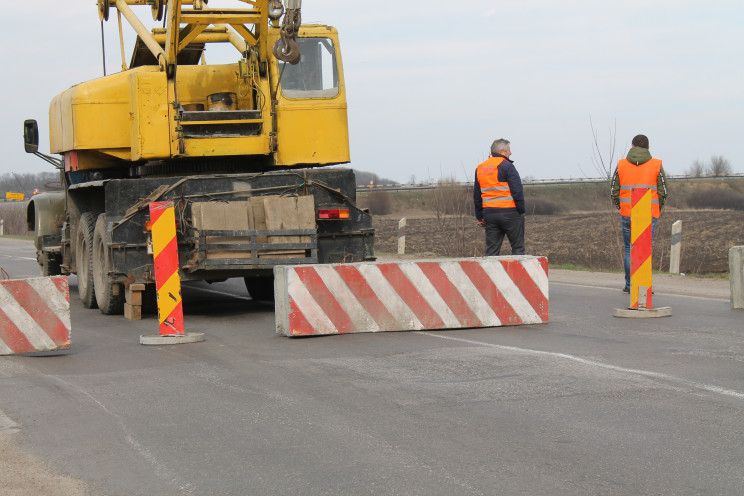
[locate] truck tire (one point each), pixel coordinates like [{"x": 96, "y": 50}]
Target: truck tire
[
  {"x": 50, "y": 264},
  {"x": 260, "y": 288},
  {"x": 109, "y": 298},
  {"x": 84, "y": 259}
]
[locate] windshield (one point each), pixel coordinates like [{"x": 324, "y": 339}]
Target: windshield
[{"x": 316, "y": 75}]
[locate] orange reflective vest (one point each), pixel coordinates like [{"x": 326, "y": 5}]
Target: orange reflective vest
[
  {"x": 638, "y": 176},
  {"x": 495, "y": 194}
]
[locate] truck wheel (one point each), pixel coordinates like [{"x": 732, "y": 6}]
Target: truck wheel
[
  {"x": 50, "y": 264},
  {"x": 84, "y": 259},
  {"x": 108, "y": 302},
  {"x": 260, "y": 288}
]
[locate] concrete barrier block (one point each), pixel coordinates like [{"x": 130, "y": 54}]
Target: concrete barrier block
[
  {"x": 411, "y": 295},
  {"x": 736, "y": 276},
  {"x": 34, "y": 315}
]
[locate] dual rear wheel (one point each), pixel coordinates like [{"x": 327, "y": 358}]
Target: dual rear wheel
[
  {"x": 94, "y": 266},
  {"x": 93, "y": 262}
]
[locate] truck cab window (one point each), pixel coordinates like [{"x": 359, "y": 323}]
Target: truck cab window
[{"x": 316, "y": 75}]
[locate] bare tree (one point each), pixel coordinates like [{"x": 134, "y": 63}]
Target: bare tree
[
  {"x": 696, "y": 169},
  {"x": 719, "y": 166},
  {"x": 363, "y": 177},
  {"x": 453, "y": 206},
  {"x": 26, "y": 183},
  {"x": 604, "y": 164}
]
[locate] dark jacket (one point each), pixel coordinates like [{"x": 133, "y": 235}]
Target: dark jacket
[{"x": 507, "y": 174}]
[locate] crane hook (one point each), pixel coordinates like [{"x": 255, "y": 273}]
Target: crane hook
[{"x": 286, "y": 48}]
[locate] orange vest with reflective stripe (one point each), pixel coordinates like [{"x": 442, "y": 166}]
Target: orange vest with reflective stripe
[
  {"x": 495, "y": 194},
  {"x": 638, "y": 176}
]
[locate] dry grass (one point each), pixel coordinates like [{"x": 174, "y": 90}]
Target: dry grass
[
  {"x": 14, "y": 218},
  {"x": 590, "y": 240},
  {"x": 578, "y": 225}
]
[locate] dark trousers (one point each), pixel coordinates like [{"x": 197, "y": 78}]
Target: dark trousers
[{"x": 499, "y": 224}]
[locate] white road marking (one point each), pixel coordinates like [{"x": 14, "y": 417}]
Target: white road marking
[
  {"x": 13, "y": 257},
  {"x": 657, "y": 293},
  {"x": 594, "y": 363}
]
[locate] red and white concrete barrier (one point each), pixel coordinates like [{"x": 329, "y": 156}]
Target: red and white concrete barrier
[
  {"x": 34, "y": 315},
  {"x": 412, "y": 295}
]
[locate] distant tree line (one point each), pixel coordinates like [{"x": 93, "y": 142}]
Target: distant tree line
[
  {"x": 717, "y": 166},
  {"x": 27, "y": 183},
  {"x": 365, "y": 177}
]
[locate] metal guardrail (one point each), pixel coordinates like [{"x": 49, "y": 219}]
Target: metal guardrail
[{"x": 361, "y": 188}]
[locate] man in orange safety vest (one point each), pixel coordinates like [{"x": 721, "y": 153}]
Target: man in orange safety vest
[
  {"x": 499, "y": 200},
  {"x": 637, "y": 170}
]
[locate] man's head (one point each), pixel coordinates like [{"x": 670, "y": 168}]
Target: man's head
[
  {"x": 501, "y": 147},
  {"x": 640, "y": 141}
]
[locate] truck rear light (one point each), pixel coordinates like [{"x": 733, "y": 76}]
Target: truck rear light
[{"x": 333, "y": 213}]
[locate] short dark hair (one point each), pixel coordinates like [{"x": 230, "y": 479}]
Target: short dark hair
[{"x": 640, "y": 141}]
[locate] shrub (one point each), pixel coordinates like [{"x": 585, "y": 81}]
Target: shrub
[
  {"x": 722, "y": 199},
  {"x": 540, "y": 206},
  {"x": 379, "y": 202},
  {"x": 453, "y": 206},
  {"x": 451, "y": 198}
]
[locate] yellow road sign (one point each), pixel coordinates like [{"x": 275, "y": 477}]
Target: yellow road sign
[{"x": 14, "y": 196}]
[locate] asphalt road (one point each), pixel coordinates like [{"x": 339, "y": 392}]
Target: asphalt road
[{"x": 586, "y": 404}]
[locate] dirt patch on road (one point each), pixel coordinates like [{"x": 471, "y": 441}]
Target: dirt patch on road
[
  {"x": 592, "y": 240},
  {"x": 23, "y": 475}
]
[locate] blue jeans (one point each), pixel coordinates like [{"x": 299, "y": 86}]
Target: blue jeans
[{"x": 626, "y": 243}]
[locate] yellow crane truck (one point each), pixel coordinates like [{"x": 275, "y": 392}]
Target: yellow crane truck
[{"x": 237, "y": 147}]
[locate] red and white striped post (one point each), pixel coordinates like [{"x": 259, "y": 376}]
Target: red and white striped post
[{"x": 167, "y": 278}]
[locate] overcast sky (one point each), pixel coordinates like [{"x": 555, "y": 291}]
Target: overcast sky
[{"x": 432, "y": 83}]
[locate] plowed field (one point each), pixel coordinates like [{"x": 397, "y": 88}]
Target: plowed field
[{"x": 591, "y": 240}]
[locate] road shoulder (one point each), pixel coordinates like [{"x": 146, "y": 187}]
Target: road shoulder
[
  {"x": 24, "y": 475},
  {"x": 702, "y": 287}
]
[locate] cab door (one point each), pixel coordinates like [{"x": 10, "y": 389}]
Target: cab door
[{"x": 312, "y": 125}]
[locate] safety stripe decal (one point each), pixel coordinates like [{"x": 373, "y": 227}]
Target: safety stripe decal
[
  {"x": 165, "y": 261},
  {"x": 34, "y": 315},
  {"x": 640, "y": 250},
  {"x": 452, "y": 294}
]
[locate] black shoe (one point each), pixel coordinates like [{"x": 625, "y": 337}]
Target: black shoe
[{"x": 626, "y": 290}]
